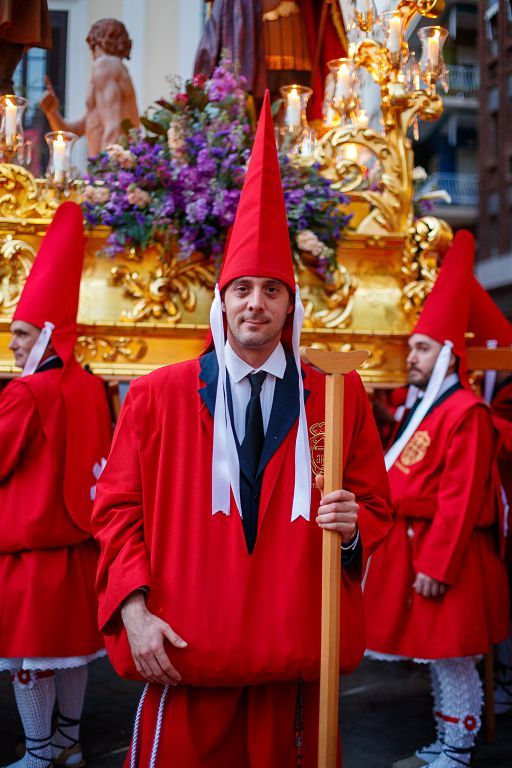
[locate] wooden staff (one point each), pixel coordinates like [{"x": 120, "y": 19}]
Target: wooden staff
[{"x": 335, "y": 365}]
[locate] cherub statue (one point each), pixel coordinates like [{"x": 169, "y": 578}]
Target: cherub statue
[{"x": 111, "y": 95}]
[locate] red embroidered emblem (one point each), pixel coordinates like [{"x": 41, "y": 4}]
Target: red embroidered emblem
[
  {"x": 470, "y": 723},
  {"x": 24, "y": 677}
]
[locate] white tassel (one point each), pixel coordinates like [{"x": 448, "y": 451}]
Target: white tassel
[
  {"x": 225, "y": 463},
  {"x": 38, "y": 350},
  {"x": 302, "y": 490},
  {"x": 490, "y": 376},
  {"x": 429, "y": 398},
  {"x": 412, "y": 396}
]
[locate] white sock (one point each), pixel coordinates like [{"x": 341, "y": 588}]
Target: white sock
[
  {"x": 461, "y": 696},
  {"x": 35, "y": 697},
  {"x": 70, "y": 685},
  {"x": 430, "y": 752}
]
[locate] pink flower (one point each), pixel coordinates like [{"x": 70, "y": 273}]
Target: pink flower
[
  {"x": 96, "y": 195},
  {"x": 308, "y": 241},
  {"x": 137, "y": 196},
  {"x": 122, "y": 156}
]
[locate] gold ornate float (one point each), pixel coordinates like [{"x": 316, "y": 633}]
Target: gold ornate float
[
  {"x": 141, "y": 311},
  {"x": 138, "y": 312}
]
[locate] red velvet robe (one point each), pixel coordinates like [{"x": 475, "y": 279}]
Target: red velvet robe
[
  {"x": 501, "y": 410},
  {"x": 446, "y": 526},
  {"x": 248, "y": 619},
  {"x": 47, "y": 559}
]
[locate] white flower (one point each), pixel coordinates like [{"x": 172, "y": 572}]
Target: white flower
[
  {"x": 419, "y": 173},
  {"x": 436, "y": 194}
]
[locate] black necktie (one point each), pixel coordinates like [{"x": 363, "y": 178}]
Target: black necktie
[{"x": 254, "y": 433}]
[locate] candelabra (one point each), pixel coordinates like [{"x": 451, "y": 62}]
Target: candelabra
[{"x": 375, "y": 166}]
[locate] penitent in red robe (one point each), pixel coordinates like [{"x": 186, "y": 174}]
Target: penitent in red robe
[
  {"x": 447, "y": 526},
  {"x": 47, "y": 555},
  {"x": 249, "y": 620}
]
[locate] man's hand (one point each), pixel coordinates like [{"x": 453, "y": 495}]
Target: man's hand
[
  {"x": 337, "y": 511},
  {"x": 146, "y": 634},
  {"x": 49, "y": 101},
  {"x": 427, "y": 586}
]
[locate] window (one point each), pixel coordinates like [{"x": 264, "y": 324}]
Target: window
[{"x": 29, "y": 82}]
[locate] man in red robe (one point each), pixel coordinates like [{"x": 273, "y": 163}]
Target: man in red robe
[
  {"x": 54, "y": 433},
  {"x": 491, "y": 328},
  {"x": 436, "y": 591},
  {"x": 211, "y": 528}
]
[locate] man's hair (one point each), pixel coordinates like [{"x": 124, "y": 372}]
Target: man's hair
[{"x": 112, "y": 37}]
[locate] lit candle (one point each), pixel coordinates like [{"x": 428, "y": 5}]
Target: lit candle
[
  {"x": 307, "y": 145},
  {"x": 60, "y": 159},
  {"x": 351, "y": 153},
  {"x": 10, "y": 122},
  {"x": 394, "y": 34},
  {"x": 362, "y": 119},
  {"x": 293, "y": 111},
  {"x": 342, "y": 83},
  {"x": 433, "y": 49}
]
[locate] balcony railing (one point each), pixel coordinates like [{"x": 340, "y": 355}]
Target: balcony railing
[
  {"x": 462, "y": 187},
  {"x": 464, "y": 80}
]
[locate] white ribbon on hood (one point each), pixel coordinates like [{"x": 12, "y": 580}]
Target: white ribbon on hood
[
  {"x": 38, "y": 350},
  {"x": 432, "y": 391},
  {"x": 225, "y": 463}
]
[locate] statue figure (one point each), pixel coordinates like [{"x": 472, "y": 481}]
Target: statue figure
[
  {"x": 22, "y": 26},
  {"x": 111, "y": 95},
  {"x": 275, "y": 42}
]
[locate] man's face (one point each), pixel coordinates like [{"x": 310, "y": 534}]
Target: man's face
[
  {"x": 24, "y": 336},
  {"x": 256, "y": 310},
  {"x": 423, "y": 353}
]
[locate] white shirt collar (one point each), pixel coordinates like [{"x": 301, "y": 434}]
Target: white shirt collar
[
  {"x": 448, "y": 382},
  {"x": 239, "y": 369}
]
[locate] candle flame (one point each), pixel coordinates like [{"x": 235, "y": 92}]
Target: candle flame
[
  {"x": 351, "y": 152},
  {"x": 60, "y": 139}
]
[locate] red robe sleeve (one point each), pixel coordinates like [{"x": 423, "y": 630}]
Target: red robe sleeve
[
  {"x": 504, "y": 428},
  {"x": 118, "y": 521},
  {"x": 464, "y": 481},
  {"x": 365, "y": 475},
  {"x": 18, "y": 422}
]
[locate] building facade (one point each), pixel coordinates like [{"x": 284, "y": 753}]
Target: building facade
[{"x": 494, "y": 267}]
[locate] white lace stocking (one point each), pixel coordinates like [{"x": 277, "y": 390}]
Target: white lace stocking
[
  {"x": 35, "y": 697},
  {"x": 461, "y": 698},
  {"x": 70, "y": 685}
]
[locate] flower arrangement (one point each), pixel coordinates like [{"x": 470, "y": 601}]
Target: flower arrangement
[{"x": 177, "y": 181}]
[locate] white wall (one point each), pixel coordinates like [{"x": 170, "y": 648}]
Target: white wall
[{"x": 165, "y": 35}]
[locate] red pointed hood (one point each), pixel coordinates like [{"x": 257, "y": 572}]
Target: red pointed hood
[
  {"x": 486, "y": 320},
  {"x": 259, "y": 245},
  {"x": 445, "y": 314},
  {"x": 52, "y": 289}
]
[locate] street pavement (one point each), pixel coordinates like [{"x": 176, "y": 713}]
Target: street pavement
[{"x": 385, "y": 715}]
